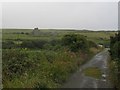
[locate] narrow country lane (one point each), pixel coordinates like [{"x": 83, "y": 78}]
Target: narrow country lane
[{"x": 79, "y": 80}]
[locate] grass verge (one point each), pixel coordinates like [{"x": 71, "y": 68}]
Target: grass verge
[{"x": 94, "y": 72}]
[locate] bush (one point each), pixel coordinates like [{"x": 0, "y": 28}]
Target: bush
[
  {"x": 92, "y": 44},
  {"x": 39, "y": 43},
  {"x": 22, "y": 32},
  {"x": 15, "y": 63},
  {"x": 50, "y": 56},
  {"x": 27, "y": 44},
  {"x": 55, "y": 42},
  {"x": 75, "y": 42},
  {"x": 115, "y": 51},
  {"x": 8, "y": 45},
  {"x": 33, "y": 44}
]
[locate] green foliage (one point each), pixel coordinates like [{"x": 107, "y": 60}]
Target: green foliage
[
  {"x": 115, "y": 51},
  {"x": 75, "y": 42},
  {"x": 53, "y": 45},
  {"x": 50, "y": 56},
  {"x": 8, "y": 44},
  {"x": 15, "y": 63},
  {"x": 115, "y": 46},
  {"x": 92, "y": 44},
  {"x": 55, "y": 42},
  {"x": 33, "y": 44},
  {"x": 27, "y": 44},
  {"x": 21, "y": 63},
  {"x": 42, "y": 61}
]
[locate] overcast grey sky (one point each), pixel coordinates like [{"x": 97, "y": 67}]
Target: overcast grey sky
[{"x": 78, "y": 15}]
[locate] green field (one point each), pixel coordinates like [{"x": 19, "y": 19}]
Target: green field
[
  {"x": 47, "y": 58},
  {"x": 96, "y": 36}
]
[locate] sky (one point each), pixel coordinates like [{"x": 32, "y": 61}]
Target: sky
[{"x": 75, "y": 15}]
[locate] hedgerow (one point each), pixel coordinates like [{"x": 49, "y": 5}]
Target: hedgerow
[{"x": 115, "y": 51}]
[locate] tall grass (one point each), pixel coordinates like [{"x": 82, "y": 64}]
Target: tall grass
[{"x": 38, "y": 69}]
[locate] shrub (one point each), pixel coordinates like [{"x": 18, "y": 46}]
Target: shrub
[
  {"x": 92, "y": 44},
  {"x": 55, "y": 42},
  {"x": 8, "y": 44},
  {"x": 27, "y": 33},
  {"x": 50, "y": 56},
  {"x": 27, "y": 44},
  {"x": 22, "y": 32},
  {"x": 75, "y": 42},
  {"x": 33, "y": 44},
  {"x": 115, "y": 51},
  {"x": 15, "y": 63}
]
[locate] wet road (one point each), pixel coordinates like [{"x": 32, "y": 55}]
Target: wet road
[{"x": 79, "y": 80}]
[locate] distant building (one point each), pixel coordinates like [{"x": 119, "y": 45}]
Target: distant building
[
  {"x": 35, "y": 28},
  {"x": 35, "y": 32},
  {"x": 38, "y": 32}
]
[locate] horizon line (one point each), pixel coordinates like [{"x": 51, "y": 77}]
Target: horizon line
[{"x": 68, "y": 29}]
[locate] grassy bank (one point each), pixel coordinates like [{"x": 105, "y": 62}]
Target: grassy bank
[{"x": 114, "y": 78}]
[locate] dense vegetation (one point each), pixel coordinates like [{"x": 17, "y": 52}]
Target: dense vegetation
[
  {"x": 46, "y": 60},
  {"x": 75, "y": 42},
  {"x": 43, "y": 63},
  {"x": 115, "y": 62}
]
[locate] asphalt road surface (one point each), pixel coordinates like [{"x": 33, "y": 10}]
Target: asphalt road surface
[{"x": 79, "y": 80}]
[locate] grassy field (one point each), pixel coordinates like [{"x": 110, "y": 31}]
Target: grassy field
[
  {"x": 47, "y": 59},
  {"x": 96, "y": 36}
]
